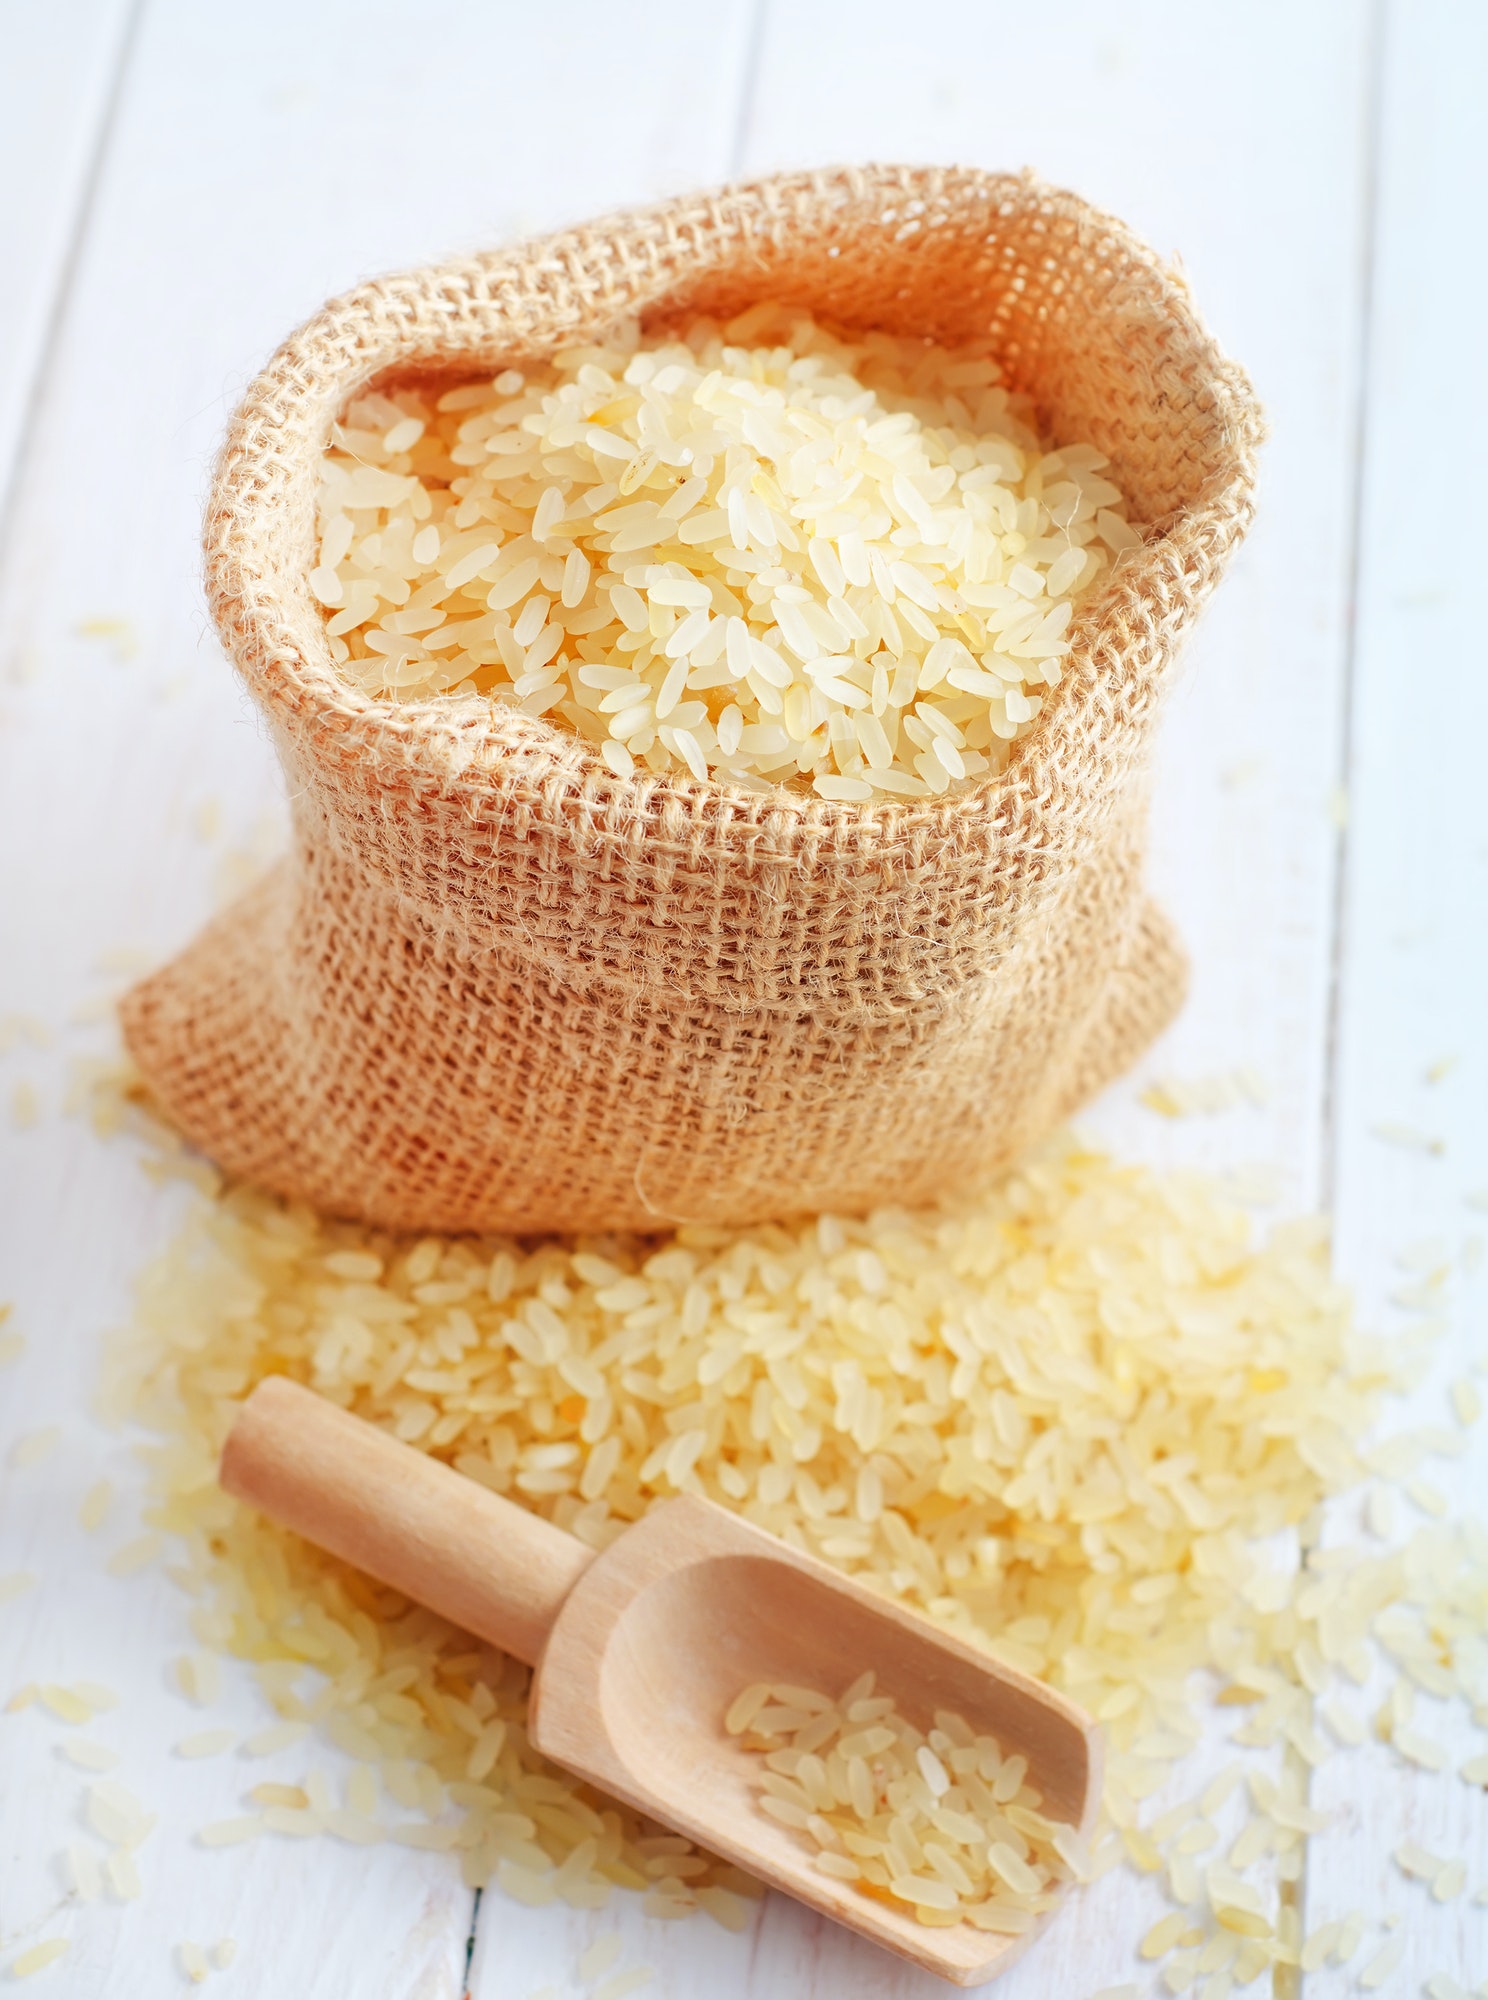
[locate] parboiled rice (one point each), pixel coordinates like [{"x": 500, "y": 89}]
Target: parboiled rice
[
  {"x": 598, "y": 1957},
  {"x": 67, "y": 1704},
  {"x": 31, "y": 1448},
  {"x": 206, "y": 1743},
  {"x": 944, "y": 1823},
  {"x": 88, "y": 1756},
  {"x": 771, "y": 551},
  {"x": 123, "y": 1875},
  {"x": 95, "y": 1503},
  {"x": 1064, "y": 1418},
  {"x": 38, "y": 1957},
  {"x": 85, "y": 1878},
  {"x": 193, "y": 1961},
  {"x": 620, "y": 1984}
]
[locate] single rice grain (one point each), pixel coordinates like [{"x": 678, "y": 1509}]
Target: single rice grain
[{"x": 38, "y": 1958}]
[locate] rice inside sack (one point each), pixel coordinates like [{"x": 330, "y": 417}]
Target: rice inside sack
[{"x": 769, "y": 551}]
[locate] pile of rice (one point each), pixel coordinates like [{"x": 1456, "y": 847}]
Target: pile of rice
[
  {"x": 944, "y": 1823},
  {"x": 770, "y": 551},
  {"x": 1084, "y": 1419}
]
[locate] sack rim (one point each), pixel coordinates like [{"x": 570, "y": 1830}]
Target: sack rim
[{"x": 274, "y": 631}]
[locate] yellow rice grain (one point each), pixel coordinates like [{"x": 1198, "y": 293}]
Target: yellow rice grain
[
  {"x": 38, "y": 1958},
  {"x": 1018, "y": 1413}
]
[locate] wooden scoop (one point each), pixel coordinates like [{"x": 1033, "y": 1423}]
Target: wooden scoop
[{"x": 640, "y": 1651}]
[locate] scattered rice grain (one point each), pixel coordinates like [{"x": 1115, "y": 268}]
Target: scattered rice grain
[
  {"x": 228, "y": 1832},
  {"x": 34, "y": 1446},
  {"x": 123, "y": 1875},
  {"x": 136, "y": 1555},
  {"x": 38, "y": 1958},
  {"x": 65, "y": 1703},
  {"x": 206, "y": 1743},
  {"x": 600, "y": 1956},
  {"x": 87, "y": 1756},
  {"x": 620, "y": 1983},
  {"x": 84, "y": 1876},
  {"x": 193, "y": 1961},
  {"x": 95, "y": 1504}
]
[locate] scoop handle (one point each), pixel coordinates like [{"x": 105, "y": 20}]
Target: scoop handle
[{"x": 440, "y": 1538}]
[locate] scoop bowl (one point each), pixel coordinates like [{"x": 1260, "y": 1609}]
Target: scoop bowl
[{"x": 640, "y": 1650}]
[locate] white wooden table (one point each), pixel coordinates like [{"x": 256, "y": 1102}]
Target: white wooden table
[{"x": 179, "y": 186}]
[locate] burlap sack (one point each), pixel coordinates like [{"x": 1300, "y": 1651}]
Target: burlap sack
[{"x": 495, "y": 987}]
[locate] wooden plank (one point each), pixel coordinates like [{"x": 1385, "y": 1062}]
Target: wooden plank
[
  {"x": 249, "y": 175},
  {"x": 57, "y": 83},
  {"x": 1153, "y": 112},
  {"x": 1414, "y": 968}
]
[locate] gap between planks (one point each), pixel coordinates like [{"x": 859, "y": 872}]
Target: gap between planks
[
  {"x": 34, "y": 390},
  {"x": 1288, "y": 1982}
]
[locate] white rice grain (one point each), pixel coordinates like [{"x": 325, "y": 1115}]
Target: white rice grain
[
  {"x": 136, "y": 1555},
  {"x": 1384, "y": 1962},
  {"x": 95, "y": 1504},
  {"x": 88, "y": 1756},
  {"x": 84, "y": 1876},
  {"x": 34, "y": 1446},
  {"x": 598, "y": 1957},
  {"x": 619, "y": 1984},
  {"x": 193, "y": 1961},
  {"x": 229, "y": 1832},
  {"x": 123, "y": 1875},
  {"x": 206, "y": 1743}
]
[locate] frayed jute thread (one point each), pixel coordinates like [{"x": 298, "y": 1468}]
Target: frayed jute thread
[{"x": 495, "y": 987}]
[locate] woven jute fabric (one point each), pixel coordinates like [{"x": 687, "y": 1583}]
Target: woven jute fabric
[{"x": 494, "y": 987}]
